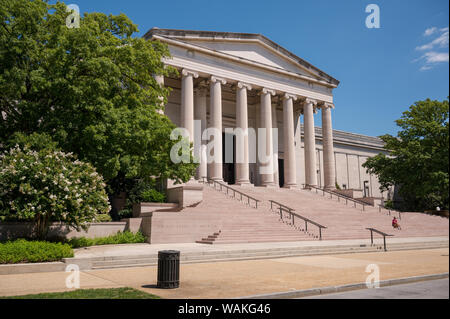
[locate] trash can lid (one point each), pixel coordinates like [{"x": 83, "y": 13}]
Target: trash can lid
[{"x": 168, "y": 252}]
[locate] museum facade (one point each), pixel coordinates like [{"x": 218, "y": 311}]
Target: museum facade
[{"x": 248, "y": 82}]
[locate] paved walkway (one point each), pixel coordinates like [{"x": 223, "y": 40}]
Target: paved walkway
[
  {"x": 146, "y": 249},
  {"x": 432, "y": 289},
  {"x": 244, "y": 278}
]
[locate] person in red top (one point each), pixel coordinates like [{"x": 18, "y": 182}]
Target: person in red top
[{"x": 395, "y": 223}]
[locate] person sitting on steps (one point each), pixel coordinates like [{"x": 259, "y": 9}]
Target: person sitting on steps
[{"x": 395, "y": 224}]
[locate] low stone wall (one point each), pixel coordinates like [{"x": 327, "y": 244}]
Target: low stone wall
[
  {"x": 24, "y": 230},
  {"x": 352, "y": 193},
  {"x": 185, "y": 195}
]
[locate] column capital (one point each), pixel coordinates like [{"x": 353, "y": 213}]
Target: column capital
[
  {"x": 202, "y": 91},
  {"x": 202, "y": 87},
  {"x": 287, "y": 96},
  {"x": 186, "y": 72},
  {"x": 268, "y": 91},
  {"x": 215, "y": 79},
  {"x": 308, "y": 100},
  {"x": 326, "y": 105},
  {"x": 242, "y": 85}
]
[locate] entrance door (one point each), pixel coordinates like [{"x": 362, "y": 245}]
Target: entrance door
[
  {"x": 228, "y": 168},
  {"x": 281, "y": 171}
]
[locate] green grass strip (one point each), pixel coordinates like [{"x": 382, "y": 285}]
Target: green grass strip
[{"x": 110, "y": 293}]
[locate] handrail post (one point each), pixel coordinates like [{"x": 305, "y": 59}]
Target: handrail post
[
  {"x": 371, "y": 237},
  {"x": 320, "y": 233},
  {"x": 306, "y": 225},
  {"x": 384, "y": 242}
]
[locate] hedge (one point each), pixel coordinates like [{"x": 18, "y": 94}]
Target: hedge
[
  {"x": 126, "y": 237},
  {"x": 23, "y": 251}
]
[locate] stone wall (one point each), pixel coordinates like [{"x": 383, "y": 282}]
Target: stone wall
[{"x": 21, "y": 230}]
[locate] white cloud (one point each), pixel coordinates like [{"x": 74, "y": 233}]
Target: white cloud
[
  {"x": 436, "y": 57},
  {"x": 431, "y": 56},
  {"x": 441, "y": 41},
  {"x": 430, "y": 31}
]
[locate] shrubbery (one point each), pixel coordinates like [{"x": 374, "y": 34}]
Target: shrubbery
[
  {"x": 126, "y": 237},
  {"x": 23, "y": 251},
  {"x": 48, "y": 186}
]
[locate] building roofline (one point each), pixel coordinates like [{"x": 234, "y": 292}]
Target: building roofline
[{"x": 178, "y": 33}]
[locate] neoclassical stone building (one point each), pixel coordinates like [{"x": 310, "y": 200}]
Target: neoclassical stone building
[{"x": 240, "y": 80}]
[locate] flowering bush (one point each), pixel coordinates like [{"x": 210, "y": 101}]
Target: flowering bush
[{"x": 49, "y": 186}]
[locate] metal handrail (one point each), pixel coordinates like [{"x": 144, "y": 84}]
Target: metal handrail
[
  {"x": 390, "y": 211},
  {"x": 372, "y": 230},
  {"x": 228, "y": 188},
  {"x": 292, "y": 215},
  {"x": 339, "y": 196}
]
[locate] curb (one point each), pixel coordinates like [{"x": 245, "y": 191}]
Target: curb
[{"x": 334, "y": 289}]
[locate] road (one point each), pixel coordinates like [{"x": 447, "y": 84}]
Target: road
[{"x": 432, "y": 289}]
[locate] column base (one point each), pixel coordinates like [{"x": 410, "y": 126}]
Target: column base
[
  {"x": 290, "y": 186},
  {"x": 244, "y": 184},
  {"x": 270, "y": 185}
]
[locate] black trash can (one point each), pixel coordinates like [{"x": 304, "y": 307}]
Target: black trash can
[{"x": 168, "y": 269}]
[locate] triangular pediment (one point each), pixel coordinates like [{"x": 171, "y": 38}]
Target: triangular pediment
[
  {"x": 253, "y": 48},
  {"x": 254, "y": 52}
]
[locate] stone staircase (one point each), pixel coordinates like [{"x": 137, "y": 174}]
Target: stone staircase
[
  {"x": 222, "y": 218},
  {"x": 241, "y": 223},
  {"x": 344, "y": 221}
]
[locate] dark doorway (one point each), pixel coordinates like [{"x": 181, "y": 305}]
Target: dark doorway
[
  {"x": 228, "y": 168},
  {"x": 366, "y": 189},
  {"x": 281, "y": 172}
]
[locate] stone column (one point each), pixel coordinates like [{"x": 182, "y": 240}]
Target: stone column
[
  {"x": 328, "y": 149},
  {"x": 275, "y": 132},
  {"x": 216, "y": 123},
  {"x": 310, "y": 143},
  {"x": 187, "y": 101},
  {"x": 266, "y": 167},
  {"x": 290, "y": 169},
  {"x": 200, "y": 114},
  {"x": 242, "y": 168}
]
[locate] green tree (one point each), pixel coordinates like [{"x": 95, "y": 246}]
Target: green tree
[
  {"x": 90, "y": 88},
  {"x": 419, "y": 156}
]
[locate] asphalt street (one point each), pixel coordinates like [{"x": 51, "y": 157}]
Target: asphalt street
[{"x": 432, "y": 289}]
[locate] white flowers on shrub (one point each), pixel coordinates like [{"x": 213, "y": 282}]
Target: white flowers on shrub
[{"x": 50, "y": 186}]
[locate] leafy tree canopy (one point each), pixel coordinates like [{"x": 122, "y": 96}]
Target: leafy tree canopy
[
  {"x": 419, "y": 156},
  {"x": 90, "y": 88}
]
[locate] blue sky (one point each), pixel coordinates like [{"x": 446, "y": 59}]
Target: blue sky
[{"x": 382, "y": 71}]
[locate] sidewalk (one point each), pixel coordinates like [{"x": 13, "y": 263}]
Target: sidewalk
[
  {"x": 233, "y": 279},
  {"x": 184, "y": 248}
]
